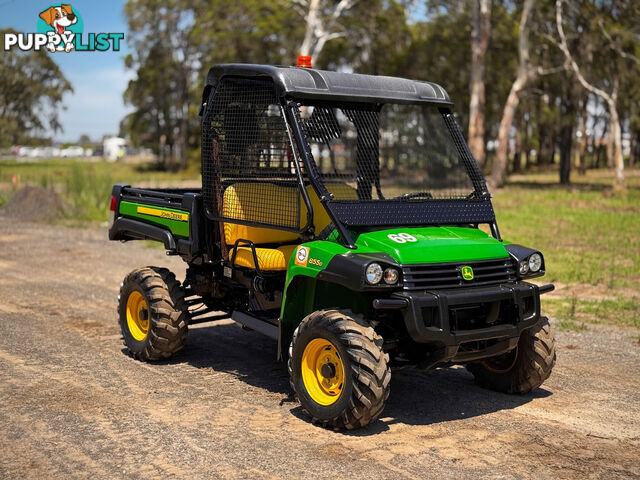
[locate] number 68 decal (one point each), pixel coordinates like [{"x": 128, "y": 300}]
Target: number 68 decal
[{"x": 402, "y": 237}]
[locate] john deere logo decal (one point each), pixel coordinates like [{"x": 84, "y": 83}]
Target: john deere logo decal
[
  {"x": 181, "y": 217},
  {"x": 467, "y": 272}
]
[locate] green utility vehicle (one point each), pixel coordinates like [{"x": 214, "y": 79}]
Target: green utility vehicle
[{"x": 340, "y": 215}]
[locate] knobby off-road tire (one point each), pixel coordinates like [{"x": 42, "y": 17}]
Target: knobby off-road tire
[
  {"x": 523, "y": 369},
  {"x": 365, "y": 372},
  {"x": 167, "y": 318}
]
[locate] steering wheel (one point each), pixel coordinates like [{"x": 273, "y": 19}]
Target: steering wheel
[
  {"x": 475, "y": 196},
  {"x": 408, "y": 196}
]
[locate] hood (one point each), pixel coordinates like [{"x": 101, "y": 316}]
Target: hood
[{"x": 433, "y": 244}]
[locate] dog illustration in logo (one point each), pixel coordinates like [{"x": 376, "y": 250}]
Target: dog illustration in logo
[{"x": 59, "y": 18}]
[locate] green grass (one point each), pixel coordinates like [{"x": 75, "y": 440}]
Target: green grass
[
  {"x": 590, "y": 240},
  {"x": 618, "y": 311},
  {"x": 85, "y": 185},
  {"x": 569, "y": 326},
  {"x": 88, "y": 189},
  {"x": 58, "y": 170},
  {"x": 586, "y": 235}
]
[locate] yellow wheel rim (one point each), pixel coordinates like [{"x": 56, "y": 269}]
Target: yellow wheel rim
[
  {"x": 137, "y": 316},
  {"x": 322, "y": 371}
]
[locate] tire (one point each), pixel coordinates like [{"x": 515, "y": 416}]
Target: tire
[
  {"x": 357, "y": 351},
  {"x": 152, "y": 314},
  {"x": 523, "y": 369}
]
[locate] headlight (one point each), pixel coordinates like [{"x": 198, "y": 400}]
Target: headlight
[
  {"x": 523, "y": 267},
  {"x": 374, "y": 273},
  {"x": 535, "y": 262},
  {"x": 391, "y": 276}
]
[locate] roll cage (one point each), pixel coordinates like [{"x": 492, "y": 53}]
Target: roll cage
[{"x": 282, "y": 134}]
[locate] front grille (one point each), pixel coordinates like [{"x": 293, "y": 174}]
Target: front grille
[{"x": 448, "y": 275}]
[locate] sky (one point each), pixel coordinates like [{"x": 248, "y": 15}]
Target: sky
[{"x": 98, "y": 79}]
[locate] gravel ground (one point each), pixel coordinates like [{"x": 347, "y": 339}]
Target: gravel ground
[{"x": 74, "y": 405}]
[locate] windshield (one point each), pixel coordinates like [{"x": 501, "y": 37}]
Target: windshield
[{"x": 379, "y": 152}]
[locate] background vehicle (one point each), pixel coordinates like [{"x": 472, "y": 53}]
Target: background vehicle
[{"x": 340, "y": 214}]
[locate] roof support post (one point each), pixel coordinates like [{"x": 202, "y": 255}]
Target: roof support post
[{"x": 295, "y": 122}]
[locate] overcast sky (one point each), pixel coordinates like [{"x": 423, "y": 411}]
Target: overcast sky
[{"x": 95, "y": 107}]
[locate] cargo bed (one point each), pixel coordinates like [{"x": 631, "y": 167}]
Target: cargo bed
[{"x": 168, "y": 215}]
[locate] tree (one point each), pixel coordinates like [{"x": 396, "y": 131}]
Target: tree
[
  {"x": 322, "y": 22},
  {"x": 558, "y": 98},
  {"x": 568, "y": 103},
  {"x": 246, "y": 31},
  {"x": 174, "y": 43},
  {"x": 375, "y": 41},
  {"x": 480, "y": 34},
  {"x": 439, "y": 52},
  {"x": 164, "y": 58},
  {"x": 155, "y": 120},
  {"x": 526, "y": 72},
  {"x": 31, "y": 91},
  {"x": 610, "y": 96}
]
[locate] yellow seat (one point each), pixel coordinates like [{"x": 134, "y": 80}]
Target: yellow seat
[
  {"x": 340, "y": 191},
  {"x": 245, "y": 201},
  {"x": 269, "y": 259}
]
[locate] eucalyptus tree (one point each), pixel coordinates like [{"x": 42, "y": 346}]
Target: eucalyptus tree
[{"x": 32, "y": 87}]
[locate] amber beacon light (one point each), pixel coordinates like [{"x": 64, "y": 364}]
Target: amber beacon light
[{"x": 304, "y": 61}]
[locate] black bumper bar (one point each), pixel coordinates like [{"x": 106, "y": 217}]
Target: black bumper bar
[{"x": 435, "y": 317}]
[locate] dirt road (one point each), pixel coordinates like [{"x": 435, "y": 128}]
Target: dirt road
[{"x": 74, "y": 405}]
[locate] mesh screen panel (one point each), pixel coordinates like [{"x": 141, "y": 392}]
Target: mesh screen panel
[
  {"x": 391, "y": 151},
  {"x": 248, "y": 168}
]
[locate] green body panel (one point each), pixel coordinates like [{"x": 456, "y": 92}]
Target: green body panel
[
  {"x": 320, "y": 253},
  {"x": 434, "y": 244},
  {"x": 177, "y": 227},
  {"x": 303, "y": 294},
  {"x": 302, "y": 291}
]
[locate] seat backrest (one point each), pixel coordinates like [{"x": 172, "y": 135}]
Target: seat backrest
[
  {"x": 245, "y": 201},
  {"x": 341, "y": 191}
]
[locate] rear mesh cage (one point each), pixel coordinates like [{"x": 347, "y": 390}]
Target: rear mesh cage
[{"x": 245, "y": 144}]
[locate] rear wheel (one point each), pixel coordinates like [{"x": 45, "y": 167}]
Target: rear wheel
[
  {"x": 152, "y": 314},
  {"x": 338, "y": 370},
  {"x": 522, "y": 369}
]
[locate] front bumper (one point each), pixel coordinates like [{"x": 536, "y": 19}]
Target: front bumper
[{"x": 469, "y": 324}]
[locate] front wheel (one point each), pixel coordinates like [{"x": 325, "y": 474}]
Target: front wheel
[
  {"x": 338, "y": 370},
  {"x": 522, "y": 369},
  {"x": 152, "y": 314}
]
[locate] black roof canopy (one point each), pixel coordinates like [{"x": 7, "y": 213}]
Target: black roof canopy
[{"x": 309, "y": 83}]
